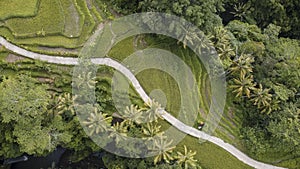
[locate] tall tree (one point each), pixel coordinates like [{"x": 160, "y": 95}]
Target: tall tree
[
  {"x": 262, "y": 98},
  {"x": 152, "y": 110},
  {"x": 163, "y": 148},
  {"x": 64, "y": 103},
  {"x": 85, "y": 79},
  {"x": 23, "y": 107},
  {"x": 97, "y": 122},
  {"x": 132, "y": 115},
  {"x": 186, "y": 159},
  {"x": 221, "y": 39},
  {"x": 283, "y": 13},
  {"x": 243, "y": 85},
  {"x": 201, "y": 13},
  {"x": 242, "y": 65},
  {"x": 151, "y": 129},
  {"x": 119, "y": 132},
  {"x": 285, "y": 129}
]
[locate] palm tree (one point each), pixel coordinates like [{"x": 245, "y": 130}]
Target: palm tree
[
  {"x": 221, "y": 41},
  {"x": 241, "y": 10},
  {"x": 119, "y": 131},
  {"x": 261, "y": 98},
  {"x": 85, "y": 79},
  {"x": 264, "y": 100},
  {"x": 98, "y": 122},
  {"x": 152, "y": 111},
  {"x": 186, "y": 158},
  {"x": 151, "y": 129},
  {"x": 64, "y": 103},
  {"x": 132, "y": 114},
  {"x": 242, "y": 65},
  {"x": 186, "y": 36},
  {"x": 225, "y": 51},
  {"x": 243, "y": 85},
  {"x": 266, "y": 109},
  {"x": 163, "y": 148},
  {"x": 192, "y": 35}
]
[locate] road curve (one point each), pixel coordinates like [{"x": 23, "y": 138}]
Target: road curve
[{"x": 168, "y": 117}]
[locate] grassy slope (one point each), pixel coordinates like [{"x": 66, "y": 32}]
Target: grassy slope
[
  {"x": 159, "y": 79},
  {"x": 152, "y": 79},
  {"x": 209, "y": 155}
]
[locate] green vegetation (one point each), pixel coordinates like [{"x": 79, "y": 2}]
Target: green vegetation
[
  {"x": 73, "y": 18},
  {"x": 56, "y": 25},
  {"x": 49, "y": 20},
  {"x": 18, "y": 8},
  {"x": 268, "y": 102},
  {"x": 201, "y": 13},
  {"x": 207, "y": 151},
  {"x": 159, "y": 79},
  {"x": 257, "y": 42},
  {"x": 21, "y": 121},
  {"x": 261, "y": 13}
]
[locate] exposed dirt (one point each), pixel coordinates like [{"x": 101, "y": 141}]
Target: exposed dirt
[
  {"x": 11, "y": 58},
  {"x": 45, "y": 80},
  {"x": 89, "y": 4},
  {"x": 202, "y": 113},
  {"x": 60, "y": 50},
  {"x": 139, "y": 42}
]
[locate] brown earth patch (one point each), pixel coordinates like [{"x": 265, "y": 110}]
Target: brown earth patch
[{"x": 11, "y": 58}]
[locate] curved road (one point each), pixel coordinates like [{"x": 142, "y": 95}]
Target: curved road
[{"x": 168, "y": 117}]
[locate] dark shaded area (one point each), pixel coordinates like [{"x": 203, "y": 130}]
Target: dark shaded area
[
  {"x": 15, "y": 160},
  {"x": 283, "y": 13},
  {"x": 92, "y": 161},
  {"x": 40, "y": 162},
  {"x": 60, "y": 158}
]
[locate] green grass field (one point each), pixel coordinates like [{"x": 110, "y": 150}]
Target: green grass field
[
  {"x": 48, "y": 21},
  {"x": 18, "y": 8},
  {"x": 211, "y": 156}
]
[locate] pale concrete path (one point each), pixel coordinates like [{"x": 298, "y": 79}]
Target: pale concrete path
[{"x": 168, "y": 117}]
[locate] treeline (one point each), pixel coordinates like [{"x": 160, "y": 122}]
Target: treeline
[{"x": 208, "y": 14}]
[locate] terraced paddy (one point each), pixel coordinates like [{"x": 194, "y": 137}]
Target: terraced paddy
[
  {"x": 18, "y": 8},
  {"x": 56, "y": 24}
]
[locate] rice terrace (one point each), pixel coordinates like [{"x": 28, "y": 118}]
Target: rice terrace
[{"x": 149, "y": 84}]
